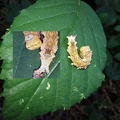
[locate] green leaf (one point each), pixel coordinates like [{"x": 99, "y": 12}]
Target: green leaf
[
  {"x": 27, "y": 98},
  {"x": 113, "y": 71},
  {"x": 115, "y": 4},
  {"x": 114, "y": 41},
  {"x": 107, "y": 15},
  {"x": 117, "y": 56},
  {"x": 117, "y": 28},
  {"x": 109, "y": 58},
  {"x": 102, "y": 2},
  {"x": 15, "y": 8},
  {"x": 25, "y": 3}
]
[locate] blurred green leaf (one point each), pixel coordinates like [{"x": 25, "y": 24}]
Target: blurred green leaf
[
  {"x": 117, "y": 56},
  {"x": 25, "y": 3},
  {"x": 113, "y": 71},
  {"x": 113, "y": 42},
  {"x": 117, "y": 28},
  {"x": 14, "y": 11},
  {"x": 107, "y": 15},
  {"x": 26, "y": 98},
  {"x": 91, "y": 113},
  {"x": 102, "y": 2},
  {"x": 118, "y": 17},
  {"x": 15, "y": 8},
  {"x": 109, "y": 58},
  {"x": 115, "y": 4}
]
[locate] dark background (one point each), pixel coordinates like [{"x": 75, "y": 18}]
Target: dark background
[{"x": 104, "y": 104}]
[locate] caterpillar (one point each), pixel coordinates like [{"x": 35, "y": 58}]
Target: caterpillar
[
  {"x": 32, "y": 40},
  {"x": 81, "y": 61},
  {"x": 47, "y": 53}
]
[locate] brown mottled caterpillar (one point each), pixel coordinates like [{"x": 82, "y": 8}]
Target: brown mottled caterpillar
[
  {"x": 47, "y": 53},
  {"x": 82, "y": 61},
  {"x": 32, "y": 40}
]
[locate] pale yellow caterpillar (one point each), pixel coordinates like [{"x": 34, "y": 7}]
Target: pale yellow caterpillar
[
  {"x": 47, "y": 53},
  {"x": 32, "y": 40},
  {"x": 81, "y": 61}
]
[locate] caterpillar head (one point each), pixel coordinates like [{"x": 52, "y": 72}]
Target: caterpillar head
[{"x": 32, "y": 40}]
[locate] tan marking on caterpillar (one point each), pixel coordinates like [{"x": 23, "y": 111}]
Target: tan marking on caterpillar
[
  {"x": 32, "y": 40},
  {"x": 47, "y": 53},
  {"x": 82, "y": 61}
]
